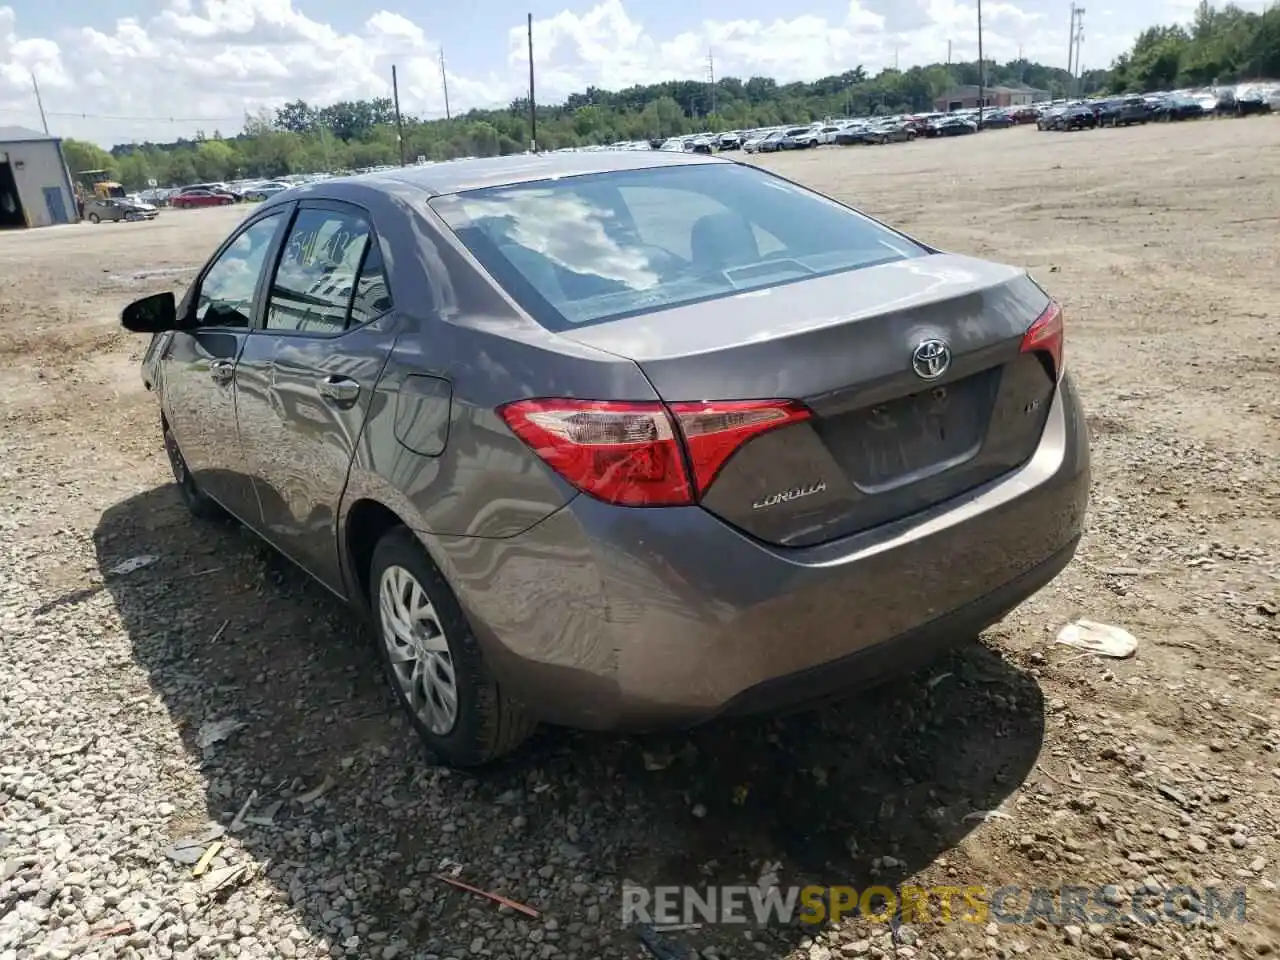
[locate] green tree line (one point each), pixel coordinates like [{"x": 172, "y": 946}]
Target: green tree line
[{"x": 1221, "y": 45}]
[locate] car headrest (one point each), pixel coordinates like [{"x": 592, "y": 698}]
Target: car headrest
[{"x": 721, "y": 240}]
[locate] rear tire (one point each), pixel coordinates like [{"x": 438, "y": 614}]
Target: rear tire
[
  {"x": 433, "y": 661},
  {"x": 197, "y": 502},
  {"x": 94, "y": 218}
]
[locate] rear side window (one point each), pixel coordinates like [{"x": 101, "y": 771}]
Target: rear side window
[
  {"x": 372, "y": 298},
  {"x": 330, "y": 275},
  {"x": 600, "y": 247}
]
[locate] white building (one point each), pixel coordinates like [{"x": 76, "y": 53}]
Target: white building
[{"x": 35, "y": 188}]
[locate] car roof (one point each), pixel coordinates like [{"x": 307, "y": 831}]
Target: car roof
[{"x": 455, "y": 176}]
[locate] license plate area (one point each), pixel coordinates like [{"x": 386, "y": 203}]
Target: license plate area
[{"x": 910, "y": 438}]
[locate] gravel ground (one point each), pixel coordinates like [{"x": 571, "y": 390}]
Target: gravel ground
[{"x": 1163, "y": 242}]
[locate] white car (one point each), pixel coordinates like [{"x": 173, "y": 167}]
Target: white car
[{"x": 827, "y": 134}]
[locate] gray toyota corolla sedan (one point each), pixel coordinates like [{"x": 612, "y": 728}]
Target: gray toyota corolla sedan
[{"x": 622, "y": 440}]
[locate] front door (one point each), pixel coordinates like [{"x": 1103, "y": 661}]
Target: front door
[
  {"x": 199, "y": 367},
  {"x": 306, "y": 379},
  {"x": 56, "y": 205}
]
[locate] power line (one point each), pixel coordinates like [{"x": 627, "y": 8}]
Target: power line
[{"x": 80, "y": 115}]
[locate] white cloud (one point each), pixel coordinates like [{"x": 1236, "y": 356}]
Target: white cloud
[{"x": 204, "y": 63}]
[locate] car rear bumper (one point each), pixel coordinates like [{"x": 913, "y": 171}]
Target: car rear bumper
[{"x": 612, "y": 618}]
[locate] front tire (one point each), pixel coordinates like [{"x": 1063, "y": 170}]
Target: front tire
[
  {"x": 94, "y": 218},
  {"x": 433, "y": 660}
]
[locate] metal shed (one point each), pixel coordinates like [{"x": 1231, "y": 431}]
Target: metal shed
[{"x": 35, "y": 188}]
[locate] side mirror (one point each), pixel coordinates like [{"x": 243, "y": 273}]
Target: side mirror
[{"x": 157, "y": 313}]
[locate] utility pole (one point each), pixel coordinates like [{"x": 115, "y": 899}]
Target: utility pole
[
  {"x": 444, "y": 82},
  {"x": 1078, "y": 74},
  {"x": 1071, "y": 44},
  {"x": 711, "y": 80},
  {"x": 39, "y": 102},
  {"x": 948, "y": 53},
  {"x": 982, "y": 70},
  {"x": 895, "y": 56},
  {"x": 533, "y": 112},
  {"x": 395, "y": 98}
]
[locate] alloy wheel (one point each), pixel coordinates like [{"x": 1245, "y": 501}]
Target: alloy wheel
[{"x": 418, "y": 650}]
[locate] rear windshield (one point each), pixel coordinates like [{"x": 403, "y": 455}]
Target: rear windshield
[{"x": 600, "y": 247}]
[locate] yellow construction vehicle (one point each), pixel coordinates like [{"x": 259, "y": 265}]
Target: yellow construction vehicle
[{"x": 99, "y": 184}]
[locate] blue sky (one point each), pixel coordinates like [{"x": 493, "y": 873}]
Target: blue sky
[{"x": 124, "y": 70}]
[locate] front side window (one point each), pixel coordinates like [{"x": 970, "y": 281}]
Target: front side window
[
  {"x": 318, "y": 272},
  {"x": 226, "y": 292},
  {"x": 600, "y": 247}
]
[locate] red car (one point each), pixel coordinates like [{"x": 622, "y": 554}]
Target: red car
[{"x": 201, "y": 198}]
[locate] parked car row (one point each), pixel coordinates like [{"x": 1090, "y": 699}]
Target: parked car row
[
  {"x": 843, "y": 132},
  {"x": 1163, "y": 107},
  {"x": 220, "y": 193}
]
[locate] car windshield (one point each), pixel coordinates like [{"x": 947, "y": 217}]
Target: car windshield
[{"x": 599, "y": 247}]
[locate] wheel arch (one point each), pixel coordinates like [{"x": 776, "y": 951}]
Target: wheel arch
[{"x": 367, "y": 521}]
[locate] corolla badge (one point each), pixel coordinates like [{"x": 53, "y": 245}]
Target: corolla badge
[{"x": 786, "y": 496}]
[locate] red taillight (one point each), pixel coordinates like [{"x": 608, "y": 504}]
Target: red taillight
[
  {"x": 1046, "y": 336},
  {"x": 713, "y": 432},
  {"x": 630, "y": 453}
]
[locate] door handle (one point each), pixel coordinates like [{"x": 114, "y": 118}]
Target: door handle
[
  {"x": 222, "y": 370},
  {"x": 339, "y": 389}
]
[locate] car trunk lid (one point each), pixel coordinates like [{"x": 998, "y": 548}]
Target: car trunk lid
[{"x": 913, "y": 370}]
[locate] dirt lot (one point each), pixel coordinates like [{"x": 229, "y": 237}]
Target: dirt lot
[{"x": 1164, "y": 243}]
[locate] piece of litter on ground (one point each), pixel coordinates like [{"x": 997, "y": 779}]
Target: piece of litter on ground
[
  {"x": 187, "y": 851},
  {"x": 1100, "y": 638},
  {"x": 133, "y": 563},
  {"x": 1126, "y": 571},
  {"x": 207, "y": 858},
  {"x": 237, "y": 822},
  {"x": 217, "y": 635},
  {"x": 266, "y": 816},
  {"x": 654, "y": 762},
  {"x": 986, "y": 816},
  {"x": 495, "y": 897},
  {"x": 315, "y": 793},
  {"x": 934, "y": 681},
  {"x": 658, "y": 946},
  {"x": 215, "y": 880},
  {"x": 215, "y": 731}
]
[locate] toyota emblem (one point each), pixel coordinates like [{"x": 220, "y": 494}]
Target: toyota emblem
[{"x": 931, "y": 359}]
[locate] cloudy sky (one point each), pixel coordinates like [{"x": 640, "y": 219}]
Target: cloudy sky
[{"x": 120, "y": 70}]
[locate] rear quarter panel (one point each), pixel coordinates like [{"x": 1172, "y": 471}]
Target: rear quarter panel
[{"x": 463, "y": 351}]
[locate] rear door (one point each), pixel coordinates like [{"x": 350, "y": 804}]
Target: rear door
[
  {"x": 307, "y": 375},
  {"x": 199, "y": 365}
]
